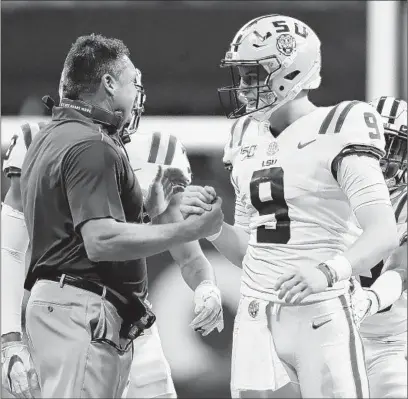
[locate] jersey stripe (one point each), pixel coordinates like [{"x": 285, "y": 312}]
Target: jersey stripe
[
  {"x": 154, "y": 149},
  {"x": 244, "y": 128},
  {"x": 26, "y": 129},
  {"x": 171, "y": 149},
  {"x": 401, "y": 203},
  {"x": 393, "y": 112},
  {"x": 327, "y": 120},
  {"x": 343, "y": 114},
  {"x": 380, "y": 105}
]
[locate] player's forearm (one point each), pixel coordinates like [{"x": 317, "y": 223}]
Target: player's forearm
[
  {"x": 126, "y": 241},
  {"x": 378, "y": 240},
  {"x": 374, "y": 244},
  {"x": 232, "y": 243},
  {"x": 193, "y": 264},
  {"x": 14, "y": 242},
  {"x": 397, "y": 262},
  {"x": 196, "y": 269}
]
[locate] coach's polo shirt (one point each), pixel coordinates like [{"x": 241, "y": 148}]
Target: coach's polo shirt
[{"x": 74, "y": 172}]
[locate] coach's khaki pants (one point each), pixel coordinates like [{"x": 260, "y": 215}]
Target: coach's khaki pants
[{"x": 63, "y": 324}]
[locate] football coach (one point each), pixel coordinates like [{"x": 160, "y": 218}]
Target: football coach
[{"x": 83, "y": 208}]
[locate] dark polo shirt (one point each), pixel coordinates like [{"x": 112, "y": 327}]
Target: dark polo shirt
[{"x": 74, "y": 172}]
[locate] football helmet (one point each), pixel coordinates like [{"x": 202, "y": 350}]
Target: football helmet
[
  {"x": 394, "y": 116},
  {"x": 271, "y": 59}
]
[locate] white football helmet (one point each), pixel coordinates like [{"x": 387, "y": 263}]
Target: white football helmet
[
  {"x": 285, "y": 56},
  {"x": 394, "y": 115}
]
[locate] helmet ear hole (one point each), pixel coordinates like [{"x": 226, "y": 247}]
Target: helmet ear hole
[
  {"x": 281, "y": 88},
  {"x": 292, "y": 75}
]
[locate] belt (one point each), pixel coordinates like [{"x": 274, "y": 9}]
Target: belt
[{"x": 91, "y": 286}]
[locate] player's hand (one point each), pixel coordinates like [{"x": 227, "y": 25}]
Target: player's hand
[
  {"x": 166, "y": 183},
  {"x": 196, "y": 200},
  {"x": 210, "y": 222},
  {"x": 18, "y": 374},
  {"x": 208, "y": 308},
  {"x": 363, "y": 302},
  {"x": 296, "y": 286}
]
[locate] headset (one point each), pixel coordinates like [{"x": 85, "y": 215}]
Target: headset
[{"x": 112, "y": 120}]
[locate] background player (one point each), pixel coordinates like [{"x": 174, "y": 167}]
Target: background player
[
  {"x": 295, "y": 182},
  {"x": 150, "y": 373},
  {"x": 382, "y": 306}
]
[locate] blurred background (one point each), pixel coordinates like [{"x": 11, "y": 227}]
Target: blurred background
[{"x": 178, "y": 46}]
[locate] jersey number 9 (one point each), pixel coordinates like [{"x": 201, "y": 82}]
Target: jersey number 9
[{"x": 267, "y": 197}]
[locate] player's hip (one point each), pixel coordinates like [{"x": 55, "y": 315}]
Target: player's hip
[{"x": 260, "y": 285}]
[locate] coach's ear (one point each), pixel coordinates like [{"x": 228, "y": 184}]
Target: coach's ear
[{"x": 109, "y": 83}]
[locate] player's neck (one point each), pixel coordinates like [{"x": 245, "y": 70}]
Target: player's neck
[{"x": 290, "y": 113}]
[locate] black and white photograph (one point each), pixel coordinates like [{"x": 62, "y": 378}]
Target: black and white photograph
[{"x": 204, "y": 199}]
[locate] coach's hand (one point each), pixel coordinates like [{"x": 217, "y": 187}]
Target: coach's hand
[
  {"x": 196, "y": 200},
  {"x": 296, "y": 286},
  {"x": 18, "y": 374},
  {"x": 208, "y": 308},
  {"x": 166, "y": 183},
  {"x": 210, "y": 222}
]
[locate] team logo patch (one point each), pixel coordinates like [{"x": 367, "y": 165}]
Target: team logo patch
[
  {"x": 253, "y": 308},
  {"x": 286, "y": 44},
  {"x": 273, "y": 148}
]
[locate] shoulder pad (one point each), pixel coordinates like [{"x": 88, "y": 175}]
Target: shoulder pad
[
  {"x": 355, "y": 123},
  {"x": 232, "y": 148}
]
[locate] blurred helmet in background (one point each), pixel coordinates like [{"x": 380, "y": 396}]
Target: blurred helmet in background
[{"x": 394, "y": 116}]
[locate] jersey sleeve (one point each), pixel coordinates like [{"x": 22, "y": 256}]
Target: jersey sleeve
[
  {"x": 91, "y": 173},
  {"x": 351, "y": 128},
  {"x": 17, "y": 148},
  {"x": 233, "y": 146}
]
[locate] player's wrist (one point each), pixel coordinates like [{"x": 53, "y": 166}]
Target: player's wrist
[
  {"x": 213, "y": 237},
  {"x": 329, "y": 273},
  {"x": 341, "y": 268},
  {"x": 10, "y": 337},
  {"x": 375, "y": 303},
  {"x": 206, "y": 289}
]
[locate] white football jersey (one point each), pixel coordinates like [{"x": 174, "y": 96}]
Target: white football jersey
[
  {"x": 392, "y": 320},
  {"x": 295, "y": 210},
  {"x": 145, "y": 151}
]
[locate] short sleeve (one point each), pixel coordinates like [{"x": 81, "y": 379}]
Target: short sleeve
[
  {"x": 92, "y": 175},
  {"x": 353, "y": 127}
]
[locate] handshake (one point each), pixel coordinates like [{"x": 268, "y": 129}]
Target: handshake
[{"x": 199, "y": 205}]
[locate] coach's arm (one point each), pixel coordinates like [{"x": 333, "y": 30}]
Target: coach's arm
[{"x": 93, "y": 178}]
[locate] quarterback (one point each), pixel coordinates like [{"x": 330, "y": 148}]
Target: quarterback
[
  {"x": 150, "y": 155},
  {"x": 382, "y": 305},
  {"x": 300, "y": 172}
]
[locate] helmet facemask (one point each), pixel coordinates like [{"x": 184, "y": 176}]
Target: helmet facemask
[
  {"x": 251, "y": 90},
  {"x": 394, "y": 163},
  {"x": 137, "y": 111}
]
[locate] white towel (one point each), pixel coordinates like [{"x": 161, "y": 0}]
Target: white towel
[{"x": 255, "y": 362}]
